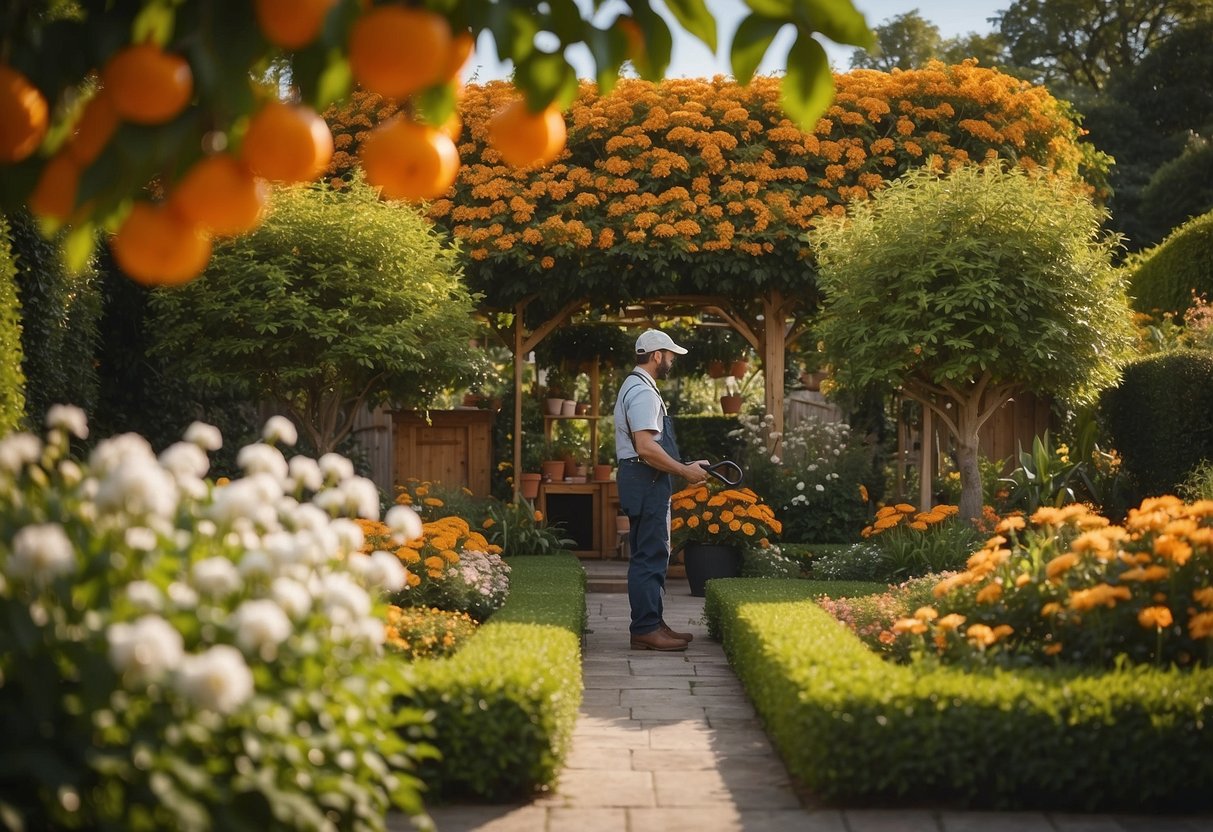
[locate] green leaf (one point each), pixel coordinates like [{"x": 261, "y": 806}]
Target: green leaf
[
  {"x": 772, "y": 8},
  {"x": 154, "y": 23},
  {"x": 334, "y": 82},
  {"x": 750, "y": 44},
  {"x": 436, "y": 104},
  {"x": 808, "y": 86},
  {"x": 838, "y": 20},
  {"x": 78, "y": 247},
  {"x": 658, "y": 43},
  {"x": 696, "y": 19},
  {"x": 610, "y": 49},
  {"x": 546, "y": 78}
]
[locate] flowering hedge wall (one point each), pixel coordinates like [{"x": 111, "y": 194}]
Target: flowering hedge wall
[{"x": 704, "y": 186}]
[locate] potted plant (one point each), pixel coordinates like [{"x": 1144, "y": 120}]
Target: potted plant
[
  {"x": 606, "y": 459},
  {"x": 558, "y": 387},
  {"x": 714, "y": 525}
]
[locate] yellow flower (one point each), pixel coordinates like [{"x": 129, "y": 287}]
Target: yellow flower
[
  {"x": 926, "y": 614},
  {"x": 538, "y": 516},
  {"x": 433, "y": 562},
  {"x": 713, "y": 528},
  {"x": 489, "y": 523},
  {"x": 1145, "y": 573},
  {"x": 1173, "y": 549},
  {"x": 989, "y": 593},
  {"x": 1010, "y": 524},
  {"x": 748, "y": 530},
  {"x": 432, "y": 501},
  {"x": 1201, "y": 625},
  {"x": 1051, "y": 608},
  {"x": 692, "y": 522},
  {"x": 1204, "y": 596},
  {"x": 863, "y": 492},
  {"x": 951, "y": 621},
  {"x": 1098, "y": 595},
  {"x": 1155, "y": 618},
  {"x": 1052, "y": 649},
  {"x": 909, "y": 625},
  {"x": 1060, "y": 565}
]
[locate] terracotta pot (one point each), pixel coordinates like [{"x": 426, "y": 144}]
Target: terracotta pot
[
  {"x": 602, "y": 473},
  {"x": 812, "y": 381},
  {"x": 568, "y": 407},
  {"x": 553, "y": 470},
  {"x": 583, "y": 408},
  {"x": 471, "y": 400},
  {"x": 570, "y": 468},
  {"x": 528, "y": 485},
  {"x": 739, "y": 368},
  {"x": 622, "y": 523},
  {"x": 730, "y": 404},
  {"x": 553, "y": 406},
  {"x": 716, "y": 369}
]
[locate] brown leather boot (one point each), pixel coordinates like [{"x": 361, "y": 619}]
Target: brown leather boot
[
  {"x": 658, "y": 640},
  {"x": 665, "y": 628}
]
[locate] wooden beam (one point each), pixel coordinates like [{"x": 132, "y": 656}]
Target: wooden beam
[{"x": 774, "y": 335}]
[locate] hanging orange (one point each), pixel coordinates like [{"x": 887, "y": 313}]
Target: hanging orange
[
  {"x": 23, "y": 116},
  {"x": 222, "y": 195},
  {"x": 148, "y": 85},
  {"x": 54, "y": 196},
  {"x": 94, "y": 129},
  {"x": 409, "y": 161},
  {"x": 396, "y": 51},
  {"x": 287, "y": 143},
  {"x": 525, "y": 138},
  {"x": 156, "y": 246},
  {"x": 292, "y": 24}
]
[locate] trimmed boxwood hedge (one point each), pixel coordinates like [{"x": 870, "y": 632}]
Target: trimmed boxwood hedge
[
  {"x": 506, "y": 704},
  {"x": 856, "y": 728}
]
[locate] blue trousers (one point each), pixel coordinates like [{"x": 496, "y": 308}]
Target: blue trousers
[{"x": 645, "y": 497}]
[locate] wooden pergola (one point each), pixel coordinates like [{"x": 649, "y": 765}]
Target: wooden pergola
[{"x": 770, "y": 324}]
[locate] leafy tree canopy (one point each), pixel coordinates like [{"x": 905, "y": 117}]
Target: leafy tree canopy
[
  {"x": 696, "y": 187},
  {"x": 961, "y": 289},
  {"x": 1078, "y": 44},
  {"x": 906, "y": 41},
  {"x": 338, "y": 301}
]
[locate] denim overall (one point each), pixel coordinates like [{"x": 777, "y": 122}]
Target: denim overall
[{"x": 644, "y": 496}]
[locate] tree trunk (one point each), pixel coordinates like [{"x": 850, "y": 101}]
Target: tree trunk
[{"x": 971, "y": 498}]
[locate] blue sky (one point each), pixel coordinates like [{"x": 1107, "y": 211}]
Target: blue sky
[{"x": 691, "y": 58}]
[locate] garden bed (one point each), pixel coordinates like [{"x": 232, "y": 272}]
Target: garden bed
[
  {"x": 854, "y": 727},
  {"x": 505, "y": 705}
]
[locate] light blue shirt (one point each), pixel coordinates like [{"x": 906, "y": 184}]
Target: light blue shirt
[{"x": 639, "y": 406}]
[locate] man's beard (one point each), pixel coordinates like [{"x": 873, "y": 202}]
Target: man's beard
[{"x": 663, "y": 371}]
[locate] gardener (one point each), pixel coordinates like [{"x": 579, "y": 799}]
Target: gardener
[{"x": 648, "y": 455}]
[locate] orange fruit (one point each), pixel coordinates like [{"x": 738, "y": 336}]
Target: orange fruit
[
  {"x": 461, "y": 49},
  {"x": 292, "y": 24},
  {"x": 287, "y": 143},
  {"x": 411, "y": 161},
  {"x": 54, "y": 196},
  {"x": 93, "y": 130},
  {"x": 524, "y": 138},
  {"x": 222, "y": 195},
  {"x": 148, "y": 85},
  {"x": 23, "y": 116},
  {"x": 453, "y": 127},
  {"x": 396, "y": 51},
  {"x": 156, "y": 246}
]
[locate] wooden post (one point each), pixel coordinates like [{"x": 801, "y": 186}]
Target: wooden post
[
  {"x": 927, "y": 465},
  {"x": 774, "y": 335},
  {"x": 519, "y": 358}
]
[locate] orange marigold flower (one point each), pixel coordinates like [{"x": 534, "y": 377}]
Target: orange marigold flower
[{"x": 1155, "y": 618}]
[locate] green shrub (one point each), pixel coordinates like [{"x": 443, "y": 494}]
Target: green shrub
[
  {"x": 858, "y": 729},
  {"x": 1160, "y": 418},
  {"x": 519, "y": 530},
  {"x": 1167, "y": 274},
  {"x": 707, "y": 437},
  {"x": 1179, "y": 190},
  {"x": 12, "y": 380},
  {"x": 505, "y": 705}
]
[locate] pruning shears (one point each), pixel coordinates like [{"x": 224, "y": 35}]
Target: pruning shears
[{"x": 727, "y": 471}]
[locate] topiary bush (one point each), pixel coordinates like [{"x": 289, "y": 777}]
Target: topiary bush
[
  {"x": 1160, "y": 417},
  {"x": 12, "y": 380},
  {"x": 1166, "y": 276}
]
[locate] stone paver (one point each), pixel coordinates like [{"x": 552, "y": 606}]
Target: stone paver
[{"x": 671, "y": 743}]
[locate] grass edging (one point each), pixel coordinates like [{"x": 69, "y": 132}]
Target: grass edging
[
  {"x": 505, "y": 705},
  {"x": 854, "y": 727}
]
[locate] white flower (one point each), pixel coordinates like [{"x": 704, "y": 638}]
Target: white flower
[
  {"x": 387, "y": 571},
  {"x": 251, "y": 498},
  {"x": 140, "y": 538},
  {"x": 819, "y": 487},
  {"x": 349, "y": 535},
  {"x": 800, "y": 486},
  {"x": 262, "y": 459},
  {"x": 182, "y": 595},
  {"x": 184, "y": 460},
  {"x": 71, "y": 472},
  {"x": 305, "y": 473},
  {"x": 41, "y": 553},
  {"x": 216, "y": 680},
  {"x": 146, "y": 649},
  {"x": 404, "y": 523},
  {"x": 342, "y": 599},
  {"x": 260, "y": 627},
  {"x": 330, "y": 500},
  {"x": 145, "y": 596},
  {"x": 361, "y": 497},
  {"x": 292, "y": 596},
  {"x": 335, "y": 467},
  {"x": 216, "y": 576},
  {"x": 207, "y": 437},
  {"x": 256, "y": 564},
  {"x": 19, "y": 450},
  {"x": 280, "y": 429},
  {"x": 69, "y": 418},
  {"x": 775, "y": 458}
]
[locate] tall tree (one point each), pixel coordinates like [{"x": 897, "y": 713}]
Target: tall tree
[
  {"x": 1078, "y": 44},
  {"x": 906, "y": 41},
  {"x": 963, "y": 289},
  {"x": 338, "y": 302}
]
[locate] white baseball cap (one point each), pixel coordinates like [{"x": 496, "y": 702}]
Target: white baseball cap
[{"x": 652, "y": 340}]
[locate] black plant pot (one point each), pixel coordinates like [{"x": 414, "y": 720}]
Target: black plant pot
[{"x": 705, "y": 561}]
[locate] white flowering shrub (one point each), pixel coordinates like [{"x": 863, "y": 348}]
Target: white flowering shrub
[
  {"x": 812, "y": 476},
  {"x": 180, "y": 655}
]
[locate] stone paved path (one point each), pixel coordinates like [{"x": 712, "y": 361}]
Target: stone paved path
[{"x": 670, "y": 743}]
